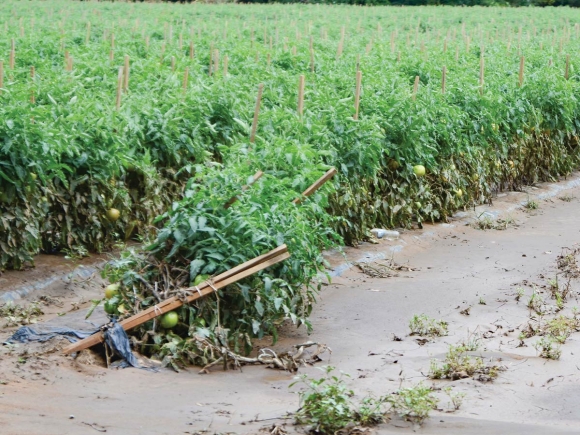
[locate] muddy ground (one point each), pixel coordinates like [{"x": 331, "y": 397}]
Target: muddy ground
[{"x": 455, "y": 267}]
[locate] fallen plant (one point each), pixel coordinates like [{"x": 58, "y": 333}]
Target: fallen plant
[{"x": 17, "y": 315}]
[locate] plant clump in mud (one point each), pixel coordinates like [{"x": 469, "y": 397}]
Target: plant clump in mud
[
  {"x": 427, "y": 327},
  {"x": 459, "y": 365}
]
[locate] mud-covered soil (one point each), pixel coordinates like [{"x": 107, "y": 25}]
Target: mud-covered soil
[{"x": 468, "y": 277}]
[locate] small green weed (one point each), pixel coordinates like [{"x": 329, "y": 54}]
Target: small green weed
[
  {"x": 548, "y": 348},
  {"x": 455, "y": 398},
  {"x": 426, "y": 326},
  {"x": 561, "y": 327},
  {"x": 413, "y": 403},
  {"x": 531, "y": 204},
  {"x": 566, "y": 197}
]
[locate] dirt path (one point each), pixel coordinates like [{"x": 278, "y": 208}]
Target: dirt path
[{"x": 358, "y": 317}]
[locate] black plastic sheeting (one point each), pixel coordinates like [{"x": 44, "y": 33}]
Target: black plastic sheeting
[
  {"x": 115, "y": 338},
  {"x": 44, "y": 333}
]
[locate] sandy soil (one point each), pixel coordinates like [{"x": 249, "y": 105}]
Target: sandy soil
[{"x": 42, "y": 392}]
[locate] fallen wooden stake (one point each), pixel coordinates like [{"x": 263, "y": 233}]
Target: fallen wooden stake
[
  {"x": 239, "y": 272},
  {"x": 314, "y": 187},
  {"x": 255, "y": 178}
]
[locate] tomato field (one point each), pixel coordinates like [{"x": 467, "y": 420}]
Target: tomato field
[{"x": 125, "y": 121}]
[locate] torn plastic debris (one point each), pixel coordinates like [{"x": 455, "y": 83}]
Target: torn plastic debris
[
  {"x": 116, "y": 339},
  {"x": 44, "y": 333}
]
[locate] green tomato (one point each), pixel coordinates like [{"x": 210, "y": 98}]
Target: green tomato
[
  {"x": 111, "y": 291},
  {"x": 199, "y": 279},
  {"x": 419, "y": 170},
  {"x": 169, "y": 320}
]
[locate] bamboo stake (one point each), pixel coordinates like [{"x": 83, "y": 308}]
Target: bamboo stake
[
  {"x": 415, "y": 87},
  {"x": 443, "y": 79},
  {"x": 256, "y": 113},
  {"x": 225, "y": 65},
  {"x": 231, "y": 276},
  {"x": 119, "y": 88},
  {"x": 357, "y": 93},
  {"x": 301, "y": 96},
  {"x": 521, "y": 76},
  {"x": 172, "y": 63},
  {"x": 312, "y": 61},
  {"x": 567, "y": 69},
  {"x": 317, "y": 184},
  {"x": 185, "y": 78},
  {"x": 191, "y": 49},
  {"x": 126, "y": 74},
  {"x": 216, "y": 60}
]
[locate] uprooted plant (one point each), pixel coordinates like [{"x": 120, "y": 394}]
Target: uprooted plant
[{"x": 328, "y": 406}]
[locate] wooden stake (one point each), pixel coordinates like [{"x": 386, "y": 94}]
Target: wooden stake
[
  {"x": 521, "y": 77},
  {"x": 191, "y": 49},
  {"x": 357, "y": 93},
  {"x": 301, "y": 96},
  {"x": 415, "y": 87},
  {"x": 481, "y": 73},
  {"x": 256, "y": 113},
  {"x": 88, "y": 37},
  {"x": 185, "y": 77},
  {"x": 225, "y": 65},
  {"x": 172, "y": 63},
  {"x": 32, "y": 97},
  {"x": 12, "y": 54},
  {"x": 126, "y": 74},
  {"x": 216, "y": 60},
  {"x": 119, "y": 88},
  {"x": 566, "y": 70},
  {"x": 312, "y": 61},
  {"x": 443, "y": 79},
  {"x": 317, "y": 184}
]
